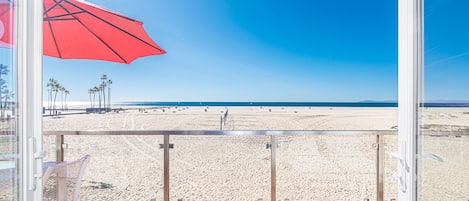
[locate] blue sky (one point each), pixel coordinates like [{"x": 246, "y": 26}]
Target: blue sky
[
  {"x": 264, "y": 50},
  {"x": 446, "y": 50}
]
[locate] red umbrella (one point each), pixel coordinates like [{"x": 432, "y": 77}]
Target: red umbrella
[
  {"x": 5, "y": 24},
  {"x": 75, "y": 29}
]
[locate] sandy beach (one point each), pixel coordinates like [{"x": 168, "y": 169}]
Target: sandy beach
[
  {"x": 239, "y": 118},
  {"x": 237, "y": 167}
]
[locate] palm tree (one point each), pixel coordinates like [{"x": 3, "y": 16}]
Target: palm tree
[
  {"x": 4, "y": 92},
  {"x": 55, "y": 88},
  {"x": 4, "y": 98},
  {"x": 49, "y": 95},
  {"x": 109, "y": 82},
  {"x": 62, "y": 90},
  {"x": 95, "y": 90},
  {"x": 90, "y": 91},
  {"x": 51, "y": 86},
  {"x": 103, "y": 87},
  {"x": 7, "y": 97},
  {"x": 66, "y": 93},
  {"x": 98, "y": 90}
]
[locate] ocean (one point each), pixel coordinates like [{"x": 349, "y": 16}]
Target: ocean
[
  {"x": 266, "y": 104},
  {"x": 273, "y": 104}
]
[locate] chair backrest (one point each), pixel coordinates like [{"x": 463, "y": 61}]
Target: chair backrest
[{"x": 62, "y": 181}]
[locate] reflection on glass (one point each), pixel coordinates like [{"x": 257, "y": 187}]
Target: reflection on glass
[
  {"x": 220, "y": 168},
  {"x": 445, "y": 113},
  {"x": 390, "y": 167},
  {"x": 120, "y": 167},
  {"x": 326, "y": 167},
  {"x": 8, "y": 135},
  {"x": 446, "y": 180}
]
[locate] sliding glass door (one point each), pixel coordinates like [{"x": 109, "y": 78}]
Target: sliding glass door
[
  {"x": 20, "y": 100},
  {"x": 443, "y": 140},
  {"x": 9, "y": 149}
]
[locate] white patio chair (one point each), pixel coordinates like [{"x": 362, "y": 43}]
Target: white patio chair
[{"x": 62, "y": 181}]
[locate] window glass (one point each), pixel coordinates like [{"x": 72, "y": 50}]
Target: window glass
[
  {"x": 444, "y": 127},
  {"x": 9, "y": 172}
]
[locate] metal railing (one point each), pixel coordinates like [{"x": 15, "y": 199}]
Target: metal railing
[{"x": 378, "y": 146}]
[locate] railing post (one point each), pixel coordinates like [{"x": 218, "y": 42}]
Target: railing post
[
  {"x": 59, "y": 147},
  {"x": 273, "y": 168},
  {"x": 166, "y": 168},
  {"x": 59, "y": 155},
  {"x": 379, "y": 168}
]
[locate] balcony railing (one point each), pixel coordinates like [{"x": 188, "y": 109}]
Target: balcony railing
[
  {"x": 321, "y": 159},
  {"x": 304, "y": 165}
]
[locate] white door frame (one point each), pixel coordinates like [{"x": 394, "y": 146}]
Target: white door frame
[
  {"x": 29, "y": 96},
  {"x": 410, "y": 57}
]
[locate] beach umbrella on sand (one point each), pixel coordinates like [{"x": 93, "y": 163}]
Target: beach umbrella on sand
[{"x": 76, "y": 29}]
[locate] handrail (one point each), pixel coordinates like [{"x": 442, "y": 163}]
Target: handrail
[
  {"x": 248, "y": 132},
  {"x": 221, "y": 132}
]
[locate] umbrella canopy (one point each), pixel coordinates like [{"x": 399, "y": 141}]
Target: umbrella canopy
[
  {"x": 5, "y": 25},
  {"x": 75, "y": 29}
]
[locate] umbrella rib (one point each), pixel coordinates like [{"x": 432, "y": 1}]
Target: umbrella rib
[
  {"x": 52, "y": 7},
  {"x": 79, "y": 21},
  {"x": 59, "y": 19},
  {"x": 53, "y": 35},
  {"x": 59, "y": 16},
  {"x": 104, "y": 42},
  {"x": 105, "y": 21},
  {"x": 112, "y": 13}
]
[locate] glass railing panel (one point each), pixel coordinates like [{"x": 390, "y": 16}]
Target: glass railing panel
[
  {"x": 228, "y": 165},
  {"x": 121, "y": 167},
  {"x": 50, "y": 148},
  {"x": 229, "y": 168},
  {"x": 447, "y": 179},
  {"x": 390, "y": 167},
  {"x": 326, "y": 167}
]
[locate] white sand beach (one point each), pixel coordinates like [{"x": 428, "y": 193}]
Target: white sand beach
[{"x": 237, "y": 167}]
